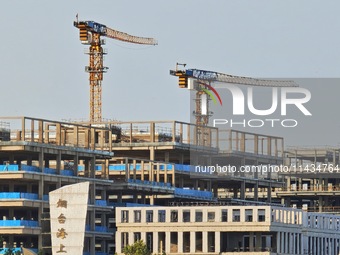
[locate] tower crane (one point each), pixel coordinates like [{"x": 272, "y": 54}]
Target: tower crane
[
  {"x": 91, "y": 33},
  {"x": 200, "y": 80}
]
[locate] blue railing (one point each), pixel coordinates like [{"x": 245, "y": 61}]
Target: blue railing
[
  {"x": 18, "y": 223},
  {"x": 115, "y": 204},
  {"x": 5, "y": 250},
  {"x": 31, "y": 196},
  {"x": 100, "y": 229},
  {"x": 30, "y": 168},
  {"x": 67, "y": 172},
  {"x": 18, "y": 195},
  {"x": 9, "y": 168},
  {"x": 46, "y": 197},
  {"x": 184, "y": 168},
  {"x": 121, "y": 167},
  {"x": 101, "y": 202},
  {"x": 117, "y": 167},
  {"x": 194, "y": 193},
  {"x": 162, "y": 167},
  {"x": 36, "y": 169},
  {"x": 50, "y": 171},
  {"x": 150, "y": 183}
]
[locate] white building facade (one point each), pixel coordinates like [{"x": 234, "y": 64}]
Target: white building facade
[{"x": 228, "y": 230}]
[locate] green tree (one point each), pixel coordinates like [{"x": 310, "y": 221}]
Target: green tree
[{"x": 138, "y": 248}]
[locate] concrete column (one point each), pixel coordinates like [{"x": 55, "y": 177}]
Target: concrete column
[
  {"x": 143, "y": 199},
  {"x": 322, "y": 246},
  {"x": 300, "y": 184},
  {"x": 135, "y": 198},
  {"x": 258, "y": 241},
  {"x": 243, "y": 190},
  {"x": 167, "y": 241},
  {"x": 301, "y": 244},
  {"x": 180, "y": 242},
  {"x": 58, "y": 159},
  {"x": 195, "y": 184},
  {"x": 41, "y": 160},
  {"x": 251, "y": 241},
  {"x": 256, "y": 190},
  {"x": 166, "y": 156},
  {"x": 286, "y": 242},
  {"x": 93, "y": 167},
  {"x": 152, "y": 153},
  {"x": 294, "y": 243},
  {"x": 130, "y": 239},
  {"x": 282, "y": 242},
  {"x": 119, "y": 242},
  {"x": 311, "y": 245},
  {"x": 278, "y": 242},
  {"x": 155, "y": 242},
  {"x": 142, "y": 236},
  {"x": 205, "y": 242},
  {"x": 93, "y": 245},
  {"x": 316, "y": 250},
  {"x": 120, "y": 197},
  {"x": 269, "y": 189},
  {"x": 217, "y": 242},
  {"x": 192, "y": 242}
]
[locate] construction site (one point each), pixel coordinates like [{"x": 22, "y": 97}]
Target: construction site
[{"x": 148, "y": 179}]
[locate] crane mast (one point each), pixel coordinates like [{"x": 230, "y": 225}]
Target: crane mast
[{"x": 90, "y": 33}]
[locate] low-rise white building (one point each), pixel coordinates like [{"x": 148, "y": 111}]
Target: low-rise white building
[{"x": 228, "y": 230}]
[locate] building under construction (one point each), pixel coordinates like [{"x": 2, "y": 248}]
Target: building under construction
[{"x": 147, "y": 165}]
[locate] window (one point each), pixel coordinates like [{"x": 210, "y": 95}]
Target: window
[
  {"x": 174, "y": 216},
  {"x": 248, "y": 215},
  {"x": 161, "y": 216},
  {"x": 125, "y": 216},
  {"x": 125, "y": 239},
  {"x": 224, "y": 215},
  {"x": 149, "y": 240},
  {"x": 186, "y": 216},
  {"x": 262, "y": 215},
  {"x": 137, "y": 215},
  {"x": 211, "y": 216},
  {"x": 198, "y": 216},
  {"x": 236, "y": 215},
  {"x": 136, "y": 236},
  {"x": 149, "y": 216}
]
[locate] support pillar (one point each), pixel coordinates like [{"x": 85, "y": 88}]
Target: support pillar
[
  {"x": 243, "y": 190},
  {"x": 258, "y": 241},
  {"x": 118, "y": 237},
  {"x": 180, "y": 242},
  {"x": 205, "y": 242},
  {"x": 155, "y": 242},
  {"x": 192, "y": 242},
  {"x": 217, "y": 242},
  {"x": 167, "y": 242},
  {"x": 278, "y": 242}
]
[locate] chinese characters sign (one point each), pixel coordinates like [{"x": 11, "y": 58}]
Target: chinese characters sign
[{"x": 68, "y": 207}]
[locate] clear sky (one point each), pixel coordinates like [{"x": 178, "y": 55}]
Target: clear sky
[{"x": 42, "y": 60}]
